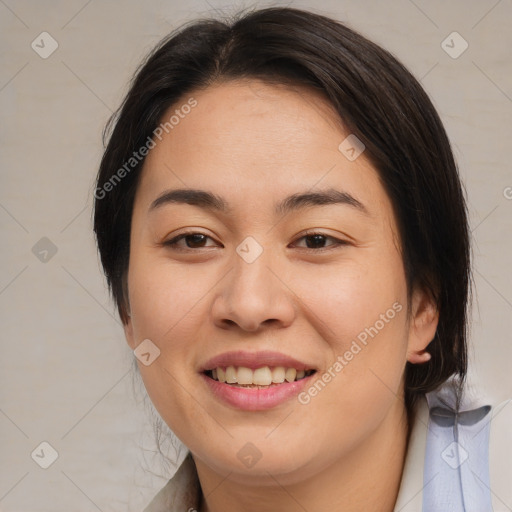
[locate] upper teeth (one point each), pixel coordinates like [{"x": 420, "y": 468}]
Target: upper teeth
[{"x": 261, "y": 376}]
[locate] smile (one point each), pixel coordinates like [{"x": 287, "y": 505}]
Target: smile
[
  {"x": 256, "y": 390},
  {"x": 264, "y": 377}
]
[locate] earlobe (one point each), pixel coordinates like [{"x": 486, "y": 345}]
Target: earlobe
[
  {"x": 423, "y": 326},
  {"x": 419, "y": 357}
]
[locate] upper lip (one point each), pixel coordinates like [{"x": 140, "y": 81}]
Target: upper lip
[{"x": 254, "y": 360}]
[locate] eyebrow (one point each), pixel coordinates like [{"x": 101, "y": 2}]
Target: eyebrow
[{"x": 213, "y": 202}]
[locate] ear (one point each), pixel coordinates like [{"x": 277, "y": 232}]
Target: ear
[
  {"x": 422, "y": 326},
  {"x": 126, "y": 318},
  {"x": 128, "y": 332},
  {"x": 125, "y": 313}
]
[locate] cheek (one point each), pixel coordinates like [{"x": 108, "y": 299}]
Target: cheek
[
  {"x": 360, "y": 310},
  {"x": 168, "y": 311},
  {"x": 351, "y": 298},
  {"x": 166, "y": 300}
]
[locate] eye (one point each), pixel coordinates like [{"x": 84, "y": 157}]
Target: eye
[
  {"x": 316, "y": 241},
  {"x": 193, "y": 240}
]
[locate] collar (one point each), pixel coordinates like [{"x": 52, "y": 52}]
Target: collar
[
  {"x": 458, "y": 459},
  {"x": 410, "y": 495},
  {"x": 181, "y": 493}
]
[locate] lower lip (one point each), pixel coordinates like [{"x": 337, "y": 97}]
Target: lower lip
[{"x": 255, "y": 399}]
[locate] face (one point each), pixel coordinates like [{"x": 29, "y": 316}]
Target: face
[{"x": 315, "y": 285}]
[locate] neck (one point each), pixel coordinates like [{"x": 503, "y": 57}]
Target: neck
[{"x": 366, "y": 479}]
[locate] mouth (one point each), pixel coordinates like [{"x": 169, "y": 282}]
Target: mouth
[
  {"x": 256, "y": 381},
  {"x": 260, "y": 378}
]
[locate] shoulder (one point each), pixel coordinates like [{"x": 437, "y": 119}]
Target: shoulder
[{"x": 458, "y": 454}]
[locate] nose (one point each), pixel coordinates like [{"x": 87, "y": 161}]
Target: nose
[{"x": 254, "y": 296}]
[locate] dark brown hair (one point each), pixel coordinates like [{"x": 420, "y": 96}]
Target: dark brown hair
[{"x": 377, "y": 99}]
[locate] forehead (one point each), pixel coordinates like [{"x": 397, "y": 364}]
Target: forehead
[{"x": 254, "y": 142}]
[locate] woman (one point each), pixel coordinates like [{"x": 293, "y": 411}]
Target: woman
[{"x": 283, "y": 228}]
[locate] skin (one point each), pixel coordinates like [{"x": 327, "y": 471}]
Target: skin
[{"x": 255, "y": 144}]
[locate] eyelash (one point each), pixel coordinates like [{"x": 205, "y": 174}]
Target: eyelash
[{"x": 174, "y": 241}]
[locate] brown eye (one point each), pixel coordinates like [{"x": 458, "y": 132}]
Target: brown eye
[
  {"x": 193, "y": 240},
  {"x": 316, "y": 241}
]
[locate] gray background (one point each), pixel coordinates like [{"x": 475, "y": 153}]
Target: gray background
[{"x": 65, "y": 367}]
